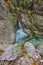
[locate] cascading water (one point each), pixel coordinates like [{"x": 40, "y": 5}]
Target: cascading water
[
  {"x": 20, "y": 34},
  {"x": 20, "y": 25}
]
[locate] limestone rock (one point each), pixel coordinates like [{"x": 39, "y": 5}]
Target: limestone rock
[
  {"x": 40, "y": 49},
  {"x": 6, "y": 14},
  {"x": 38, "y": 23},
  {"x": 26, "y": 23},
  {"x": 11, "y": 52},
  {"x": 23, "y": 61},
  {"x": 4, "y": 10},
  {"x": 30, "y": 49},
  {"x": 32, "y": 24},
  {"x": 26, "y": 61},
  {"x": 6, "y": 32},
  {"x": 8, "y": 23}
]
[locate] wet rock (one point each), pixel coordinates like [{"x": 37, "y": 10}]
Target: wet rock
[{"x": 36, "y": 41}]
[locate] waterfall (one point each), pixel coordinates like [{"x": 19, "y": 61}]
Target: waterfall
[
  {"x": 20, "y": 34},
  {"x": 20, "y": 25}
]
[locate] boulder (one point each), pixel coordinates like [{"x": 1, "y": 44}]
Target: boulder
[{"x": 40, "y": 49}]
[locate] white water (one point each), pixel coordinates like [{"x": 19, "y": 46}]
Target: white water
[
  {"x": 20, "y": 25},
  {"x": 20, "y": 34}
]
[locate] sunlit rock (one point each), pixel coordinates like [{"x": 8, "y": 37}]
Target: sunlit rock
[
  {"x": 30, "y": 49},
  {"x": 11, "y": 52}
]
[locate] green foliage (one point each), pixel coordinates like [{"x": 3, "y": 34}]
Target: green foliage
[
  {"x": 10, "y": 17},
  {"x": 30, "y": 0},
  {"x": 27, "y": 2},
  {"x": 39, "y": 1},
  {"x": 19, "y": 8}
]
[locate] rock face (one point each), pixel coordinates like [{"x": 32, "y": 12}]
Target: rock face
[
  {"x": 32, "y": 24},
  {"x": 29, "y": 48},
  {"x": 26, "y": 23},
  {"x": 6, "y": 32},
  {"x": 6, "y": 14},
  {"x": 40, "y": 49},
  {"x": 12, "y": 52},
  {"x": 4, "y": 10},
  {"x": 7, "y": 24},
  {"x": 38, "y": 23}
]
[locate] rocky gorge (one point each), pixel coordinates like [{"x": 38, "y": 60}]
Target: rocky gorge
[{"x": 21, "y": 32}]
